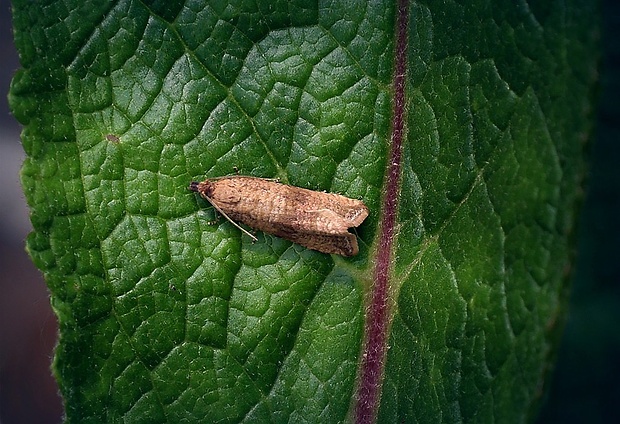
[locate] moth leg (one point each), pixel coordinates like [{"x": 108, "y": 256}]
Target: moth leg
[{"x": 213, "y": 221}]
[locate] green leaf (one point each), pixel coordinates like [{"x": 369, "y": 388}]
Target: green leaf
[{"x": 452, "y": 310}]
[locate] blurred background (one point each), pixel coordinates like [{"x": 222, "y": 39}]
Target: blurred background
[
  {"x": 585, "y": 385},
  {"x": 28, "y": 392}
]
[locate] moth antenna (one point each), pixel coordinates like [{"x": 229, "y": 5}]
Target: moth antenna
[{"x": 229, "y": 219}]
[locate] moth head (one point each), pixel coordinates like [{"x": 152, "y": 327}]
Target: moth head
[{"x": 204, "y": 188}]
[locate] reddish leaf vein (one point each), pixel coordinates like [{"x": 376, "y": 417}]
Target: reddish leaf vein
[{"x": 377, "y": 316}]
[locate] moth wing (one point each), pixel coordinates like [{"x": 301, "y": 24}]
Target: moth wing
[
  {"x": 352, "y": 210},
  {"x": 340, "y": 244},
  {"x": 356, "y": 213},
  {"x": 328, "y": 221}
]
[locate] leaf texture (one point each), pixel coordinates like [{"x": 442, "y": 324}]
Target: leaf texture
[{"x": 165, "y": 317}]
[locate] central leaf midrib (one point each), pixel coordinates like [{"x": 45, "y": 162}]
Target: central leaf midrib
[{"x": 377, "y": 318}]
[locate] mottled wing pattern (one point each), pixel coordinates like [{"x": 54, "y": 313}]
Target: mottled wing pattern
[
  {"x": 313, "y": 219},
  {"x": 339, "y": 244}
]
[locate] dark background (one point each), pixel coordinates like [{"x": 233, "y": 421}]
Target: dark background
[
  {"x": 585, "y": 386},
  {"x": 28, "y": 393}
]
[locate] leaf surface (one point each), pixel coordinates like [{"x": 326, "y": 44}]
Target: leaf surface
[{"x": 472, "y": 180}]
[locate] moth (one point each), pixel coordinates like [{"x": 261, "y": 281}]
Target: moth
[{"x": 313, "y": 219}]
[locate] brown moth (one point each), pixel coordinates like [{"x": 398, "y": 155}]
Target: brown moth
[{"x": 313, "y": 219}]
